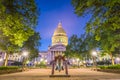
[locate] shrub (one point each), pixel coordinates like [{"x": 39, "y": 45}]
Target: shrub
[
  {"x": 9, "y": 67},
  {"x": 110, "y": 67},
  {"x": 41, "y": 65},
  {"x": 16, "y": 63}
]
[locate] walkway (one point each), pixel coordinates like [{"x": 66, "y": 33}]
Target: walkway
[{"x": 76, "y": 74}]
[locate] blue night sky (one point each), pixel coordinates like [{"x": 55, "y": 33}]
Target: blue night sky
[{"x": 53, "y": 11}]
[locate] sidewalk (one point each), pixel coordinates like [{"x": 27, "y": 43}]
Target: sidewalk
[{"x": 75, "y": 74}]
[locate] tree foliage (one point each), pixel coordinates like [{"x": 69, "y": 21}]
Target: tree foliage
[
  {"x": 32, "y": 45},
  {"x": 80, "y": 47},
  {"x": 18, "y": 19},
  {"x": 104, "y": 23},
  {"x": 72, "y": 49}
]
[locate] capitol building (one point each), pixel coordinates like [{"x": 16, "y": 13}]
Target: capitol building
[
  {"x": 59, "y": 43},
  {"x": 58, "y": 46}
]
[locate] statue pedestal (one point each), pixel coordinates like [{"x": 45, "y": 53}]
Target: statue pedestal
[{"x": 59, "y": 75}]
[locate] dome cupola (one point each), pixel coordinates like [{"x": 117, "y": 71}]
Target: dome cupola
[
  {"x": 59, "y": 36},
  {"x": 59, "y": 30}
]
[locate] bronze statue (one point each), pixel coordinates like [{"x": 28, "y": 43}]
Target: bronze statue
[{"x": 59, "y": 63}]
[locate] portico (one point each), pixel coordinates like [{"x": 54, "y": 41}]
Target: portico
[{"x": 56, "y": 50}]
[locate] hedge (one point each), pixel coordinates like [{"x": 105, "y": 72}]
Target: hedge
[
  {"x": 8, "y": 67},
  {"x": 110, "y": 67}
]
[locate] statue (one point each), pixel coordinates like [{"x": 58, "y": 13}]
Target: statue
[{"x": 59, "y": 63}]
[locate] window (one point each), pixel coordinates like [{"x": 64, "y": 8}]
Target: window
[{"x": 60, "y": 40}]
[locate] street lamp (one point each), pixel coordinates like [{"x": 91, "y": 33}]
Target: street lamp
[
  {"x": 24, "y": 54},
  {"x": 1, "y": 59},
  {"x": 41, "y": 59},
  {"x": 73, "y": 62},
  {"x": 46, "y": 61},
  {"x": 118, "y": 60},
  {"x": 78, "y": 61},
  {"x": 94, "y": 55}
]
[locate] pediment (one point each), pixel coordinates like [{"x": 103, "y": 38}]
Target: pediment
[{"x": 58, "y": 47}]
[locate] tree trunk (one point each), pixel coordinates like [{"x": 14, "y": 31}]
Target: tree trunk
[
  {"x": 6, "y": 59},
  {"x": 112, "y": 60}
]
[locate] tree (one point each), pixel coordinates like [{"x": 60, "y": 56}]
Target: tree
[
  {"x": 88, "y": 44},
  {"x": 72, "y": 49},
  {"x": 104, "y": 22},
  {"x": 32, "y": 45},
  {"x": 7, "y": 47},
  {"x": 17, "y": 22}
]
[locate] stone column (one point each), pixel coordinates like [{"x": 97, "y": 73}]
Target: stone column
[
  {"x": 61, "y": 52},
  {"x": 58, "y": 52},
  {"x": 51, "y": 55}
]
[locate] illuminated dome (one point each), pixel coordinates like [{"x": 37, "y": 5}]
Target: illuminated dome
[
  {"x": 59, "y": 30},
  {"x": 59, "y": 36}
]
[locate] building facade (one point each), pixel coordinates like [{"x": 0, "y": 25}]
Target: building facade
[
  {"x": 2, "y": 57},
  {"x": 11, "y": 58},
  {"x": 59, "y": 41}
]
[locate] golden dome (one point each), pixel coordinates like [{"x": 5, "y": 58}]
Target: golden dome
[
  {"x": 59, "y": 36},
  {"x": 59, "y": 30}
]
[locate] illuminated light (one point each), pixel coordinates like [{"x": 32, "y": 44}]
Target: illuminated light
[
  {"x": 41, "y": 59},
  {"x": 45, "y": 60},
  {"x": 27, "y": 61},
  {"x": 84, "y": 61},
  {"x": 35, "y": 62},
  {"x": 118, "y": 59},
  {"x": 78, "y": 59},
  {"x": 73, "y": 60},
  {"x": 38, "y": 62},
  {"x": 1, "y": 59},
  {"x": 94, "y": 53},
  {"x": 25, "y": 53}
]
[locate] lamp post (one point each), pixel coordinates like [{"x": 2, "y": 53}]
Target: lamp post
[
  {"x": 78, "y": 62},
  {"x": 118, "y": 60},
  {"x": 94, "y": 55},
  {"x": 46, "y": 61},
  {"x": 25, "y": 55},
  {"x": 1, "y": 61}
]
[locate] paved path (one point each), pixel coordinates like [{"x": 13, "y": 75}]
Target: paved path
[{"x": 76, "y": 74}]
